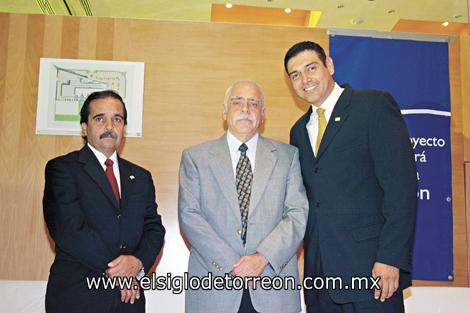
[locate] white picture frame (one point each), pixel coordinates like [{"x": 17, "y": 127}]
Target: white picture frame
[{"x": 64, "y": 85}]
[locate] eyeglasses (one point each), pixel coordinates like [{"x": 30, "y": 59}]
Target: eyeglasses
[{"x": 251, "y": 102}]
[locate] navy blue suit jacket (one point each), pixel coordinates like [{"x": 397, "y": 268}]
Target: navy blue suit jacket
[
  {"x": 362, "y": 190},
  {"x": 90, "y": 229}
]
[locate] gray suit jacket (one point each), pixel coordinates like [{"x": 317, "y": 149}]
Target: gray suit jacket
[{"x": 209, "y": 214}]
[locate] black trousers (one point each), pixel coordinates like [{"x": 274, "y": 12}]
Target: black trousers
[
  {"x": 322, "y": 302},
  {"x": 325, "y": 304}
]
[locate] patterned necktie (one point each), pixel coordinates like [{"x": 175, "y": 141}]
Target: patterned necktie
[
  {"x": 244, "y": 177},
  {"x": 112, "y": 179},
  {"x": 321, "y": 128}
]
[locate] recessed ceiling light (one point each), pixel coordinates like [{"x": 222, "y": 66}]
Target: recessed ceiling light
[
  {"x": 357, "y": 21},
  {"x": 340, "y": 6},
  {"x": 228, "y": 5},
  {"x": 445, "y": 24},
  {"x": 287, "y": 10}
]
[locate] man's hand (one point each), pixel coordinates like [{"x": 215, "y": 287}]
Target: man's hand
[
  {"x": 250, "y": 265},
  {"x": 131, "y": 295},
  {"x": 124, "y": 266},
  {"x": 388, "y": 282}
]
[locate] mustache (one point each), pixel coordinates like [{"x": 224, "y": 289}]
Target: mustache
[
  {"x": 108, "y": 133},
  {"x": 244, "y": 116}
]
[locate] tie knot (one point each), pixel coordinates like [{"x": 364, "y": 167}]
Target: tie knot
[
  {"x": 320, "y": 111},
  {"x": 109, "y": 162},
  {"x": 243, "y": 148}
]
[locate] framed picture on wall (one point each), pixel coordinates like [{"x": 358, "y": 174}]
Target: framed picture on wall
[{"x": 64, "y": 84}]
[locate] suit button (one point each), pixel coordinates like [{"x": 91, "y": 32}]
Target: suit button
[
  {"x": 316, "y": 170},
  {"x": 317, "y": 204},
  {"x": 239, "y": 232}
]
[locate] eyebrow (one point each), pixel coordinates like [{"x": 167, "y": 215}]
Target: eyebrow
[
  {"x": 306, "y": 65},
  {"x": 102, "y": 114},
  {"x": 99, "y": 114}
]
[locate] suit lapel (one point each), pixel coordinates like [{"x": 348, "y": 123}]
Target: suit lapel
[
  {"x": 304, "y": 138},
  {"x": 127, "y": 178},
  {"x": 266, "y": 159},
  {"x": 221, "y": 165},
  {"x": 94, "y": 169},
  {"x": 337, "y": 119}
]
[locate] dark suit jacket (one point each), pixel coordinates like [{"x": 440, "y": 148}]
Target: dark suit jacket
[
  {"x": 90, "y": 230},
  {"x": 362, "y": 191}
]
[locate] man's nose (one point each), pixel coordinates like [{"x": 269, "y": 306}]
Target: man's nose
[
  {"x": 108, "y": 124},
  {"x": 305, "y": 77},
  {"x": 245, "y": 106}
]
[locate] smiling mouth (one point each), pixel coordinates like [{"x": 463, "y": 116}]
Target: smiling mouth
[{"x": 310, "y": 88}]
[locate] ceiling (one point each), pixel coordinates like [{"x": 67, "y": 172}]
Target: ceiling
[{"x": 381, "y": 15}]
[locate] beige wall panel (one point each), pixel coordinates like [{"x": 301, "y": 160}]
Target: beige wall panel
[
  {"x": 11, "y": 216},
  {"x": 188, "y": 66},
  {"x": 70, "y": 34},
  {"x": 458, "y": 189},
  {"x": 465, "y": 79},
  {"x": 467, "y": 205},
  {"x": 105, "y": 39},
  {"x": 52, "y": 47},
  {"x": 465, "y": 72},
  {"x": 4, "y": 29},
  {"x": 121, "y": 39},
  {"x": 29, "y": 152},
  {"x": 87, "y": 38}
]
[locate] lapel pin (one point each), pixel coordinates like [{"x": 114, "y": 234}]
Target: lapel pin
[
  {"x": 132, "y": 177},
  {"x": 337, "y": 119}
]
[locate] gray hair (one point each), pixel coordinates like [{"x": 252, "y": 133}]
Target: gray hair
[{"x": 244, "y": 81}]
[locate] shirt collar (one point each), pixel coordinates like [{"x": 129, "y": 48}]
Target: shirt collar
[
  {"x": 234, "y": 143},
  {"x": 330, "y": 102},
  {"x": 101, "y": 157}
]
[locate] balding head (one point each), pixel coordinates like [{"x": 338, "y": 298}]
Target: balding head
[{"x": 244, "y": 109}]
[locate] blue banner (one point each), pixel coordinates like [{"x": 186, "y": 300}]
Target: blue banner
[{"x": 416, "y": 73}]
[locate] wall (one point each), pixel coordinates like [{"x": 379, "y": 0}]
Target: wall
[{"x": 188, "y": 67}]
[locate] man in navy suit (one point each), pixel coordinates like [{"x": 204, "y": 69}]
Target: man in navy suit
[
  {"x": 101, "y": 212},
  {"x": 359, "y": 172}
]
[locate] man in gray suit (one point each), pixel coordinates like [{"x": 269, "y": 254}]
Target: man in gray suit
[{"x": 242, "y": 206}]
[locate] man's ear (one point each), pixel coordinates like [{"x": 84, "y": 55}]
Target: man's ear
[
  {"x": 84, "y": 132},
  {"x": 330, "y": 66},
  {"x": 263, "y": 113}
]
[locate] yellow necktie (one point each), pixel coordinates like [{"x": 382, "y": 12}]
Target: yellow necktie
[{"x": 321, "y": 128}]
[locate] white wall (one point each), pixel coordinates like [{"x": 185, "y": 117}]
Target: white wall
[{"x": 28, "y": 297}]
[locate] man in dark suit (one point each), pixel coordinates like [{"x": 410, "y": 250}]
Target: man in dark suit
[
  {"x": 359, "y": 172},
  {"x": 101, "y": 212}
]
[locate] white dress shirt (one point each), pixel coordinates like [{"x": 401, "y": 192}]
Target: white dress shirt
[
  {"x": 102, "y": 158},
  {"x": 328, "y": 105},
  {"x": 234, "y": 144}
]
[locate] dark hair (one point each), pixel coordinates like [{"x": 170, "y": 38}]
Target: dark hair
[
  {"x": 302, "y": 46},
  {"x": 85, "y": 111}
]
